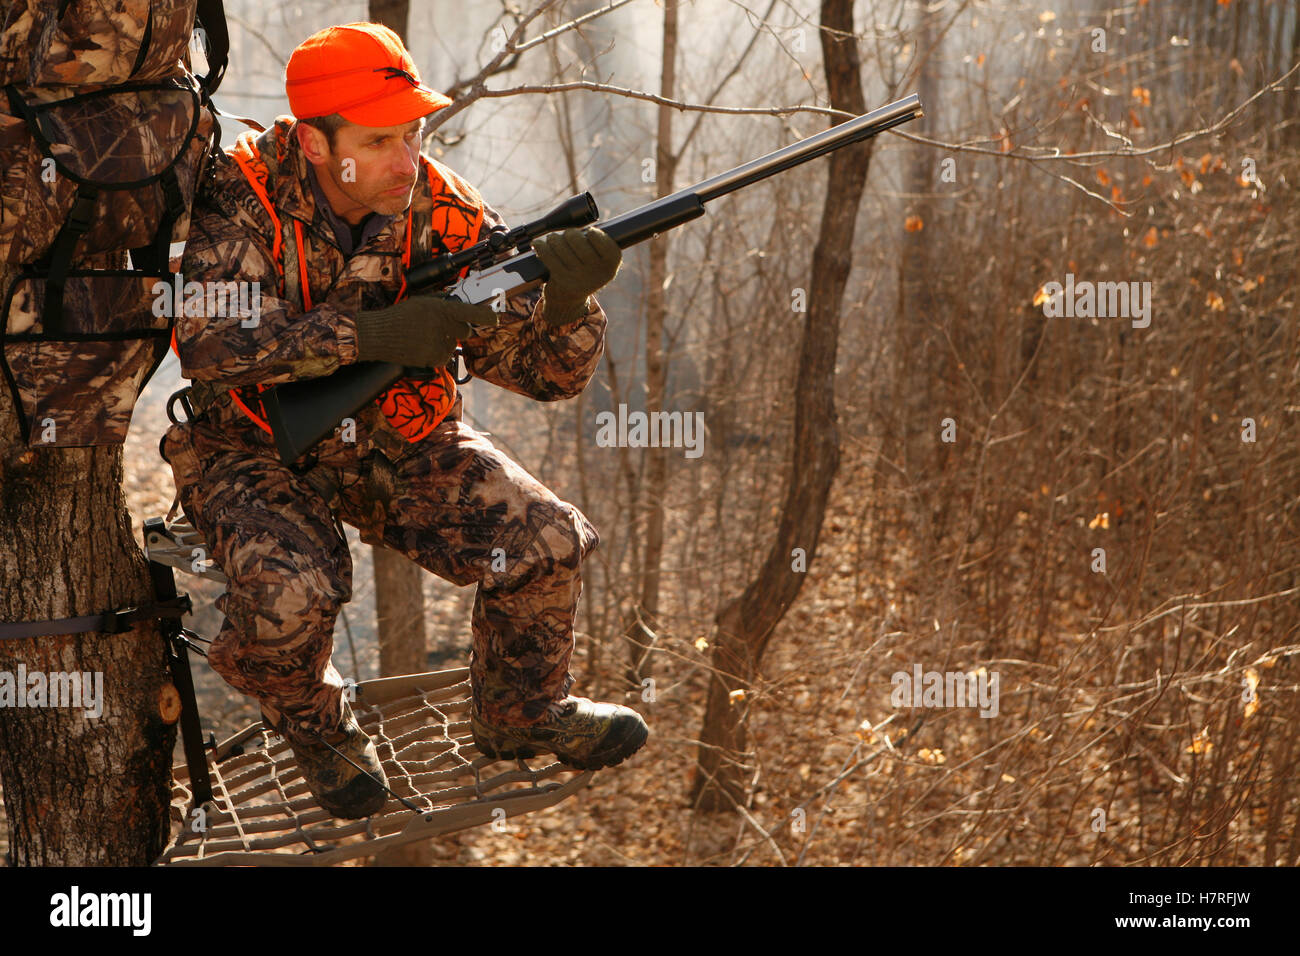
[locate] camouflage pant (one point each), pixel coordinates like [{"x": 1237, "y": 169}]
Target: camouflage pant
[{"x": 452, "y": 503}]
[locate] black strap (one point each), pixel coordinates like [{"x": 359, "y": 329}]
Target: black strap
[
  {"x": 60, "y": 255},
  {"x": 110, "y": 622},
  {"x": 178, "y": 661},
  {"x": 156, "y": 256},
  {"x": 212, "y": 15},
  {"x": 168, "y": 607}
]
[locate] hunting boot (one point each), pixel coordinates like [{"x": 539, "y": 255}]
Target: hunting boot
[
  {"x": 582, "y": 733},
  {"x": 338, "y": 786}
]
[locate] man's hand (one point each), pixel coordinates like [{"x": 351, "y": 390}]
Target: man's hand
[
  {"x": 421, "y": 331},
  {"x": 580, "y": 262}
]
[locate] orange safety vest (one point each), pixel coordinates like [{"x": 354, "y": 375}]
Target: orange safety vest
[{"x": 414, "y": 407}]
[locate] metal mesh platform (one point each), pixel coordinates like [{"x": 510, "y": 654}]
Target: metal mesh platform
[{"x": 264, "y": 815}]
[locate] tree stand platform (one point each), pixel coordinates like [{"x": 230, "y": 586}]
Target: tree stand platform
[
  {"x": 262, "y": 813},
  {"x": 244, "y": 801}
]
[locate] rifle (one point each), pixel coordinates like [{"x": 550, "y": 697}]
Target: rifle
[{"x": 302, "y": 413}]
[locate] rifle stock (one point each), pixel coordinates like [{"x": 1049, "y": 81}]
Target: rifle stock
[{"x": 302, "y": 413}]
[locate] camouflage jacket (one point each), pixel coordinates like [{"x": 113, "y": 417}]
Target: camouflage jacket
[{"x": 231, "y": 239}]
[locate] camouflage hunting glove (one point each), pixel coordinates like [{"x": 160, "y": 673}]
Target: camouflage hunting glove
[
  {"x": 580, "y": 262},
  {"x": 421, "y": 331}
]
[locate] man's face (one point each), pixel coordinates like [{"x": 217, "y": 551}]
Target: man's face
[{"x": 369, "y": 169}]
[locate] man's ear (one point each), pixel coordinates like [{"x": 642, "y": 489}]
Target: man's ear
[{"x": 314, "y": 144}]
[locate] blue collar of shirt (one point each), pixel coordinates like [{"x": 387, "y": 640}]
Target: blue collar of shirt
[{"x": 371, "y": 225}]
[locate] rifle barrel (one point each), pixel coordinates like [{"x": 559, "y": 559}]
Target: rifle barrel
[
  {"x": 660, "y": 215},
  {"x": 858, "y": 128}
]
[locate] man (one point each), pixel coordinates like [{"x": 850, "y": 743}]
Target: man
[{"x": 325, "y": 213}]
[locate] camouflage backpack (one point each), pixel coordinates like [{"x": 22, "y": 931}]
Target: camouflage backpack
[{"x": 105, "y": 135}]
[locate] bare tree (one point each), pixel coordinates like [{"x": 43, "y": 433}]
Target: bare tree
[
  {"x": 654, "y": 488},
  {"x": 745, "y": 623}
]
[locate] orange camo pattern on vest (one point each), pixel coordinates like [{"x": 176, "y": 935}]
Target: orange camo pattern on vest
[{"x": 414, "y": 407}]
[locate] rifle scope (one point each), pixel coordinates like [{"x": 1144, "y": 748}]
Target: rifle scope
[{"x": 575, "y": 211}]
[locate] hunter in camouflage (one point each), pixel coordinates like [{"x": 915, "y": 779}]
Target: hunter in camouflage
[{"x": 448, "y": 500}]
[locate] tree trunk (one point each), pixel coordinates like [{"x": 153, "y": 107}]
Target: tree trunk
[
  {"x": 655, "y": 487},
  {"x": 393, "y": 14},
  {"x": 399, "y": 614},
  {"x": 745, "y": 624},
  {"x": 79, "y": 790}
]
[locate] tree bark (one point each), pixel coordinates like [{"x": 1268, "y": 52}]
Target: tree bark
[
  {"x": 655, "y": 486},
  {"x": 745, "y": 624},
  {"x": 79, "y": 790},
  {"x": 399, "y": 614}
]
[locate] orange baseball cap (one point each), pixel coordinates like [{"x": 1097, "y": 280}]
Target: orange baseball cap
[{"x": 361, "y": 71}]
